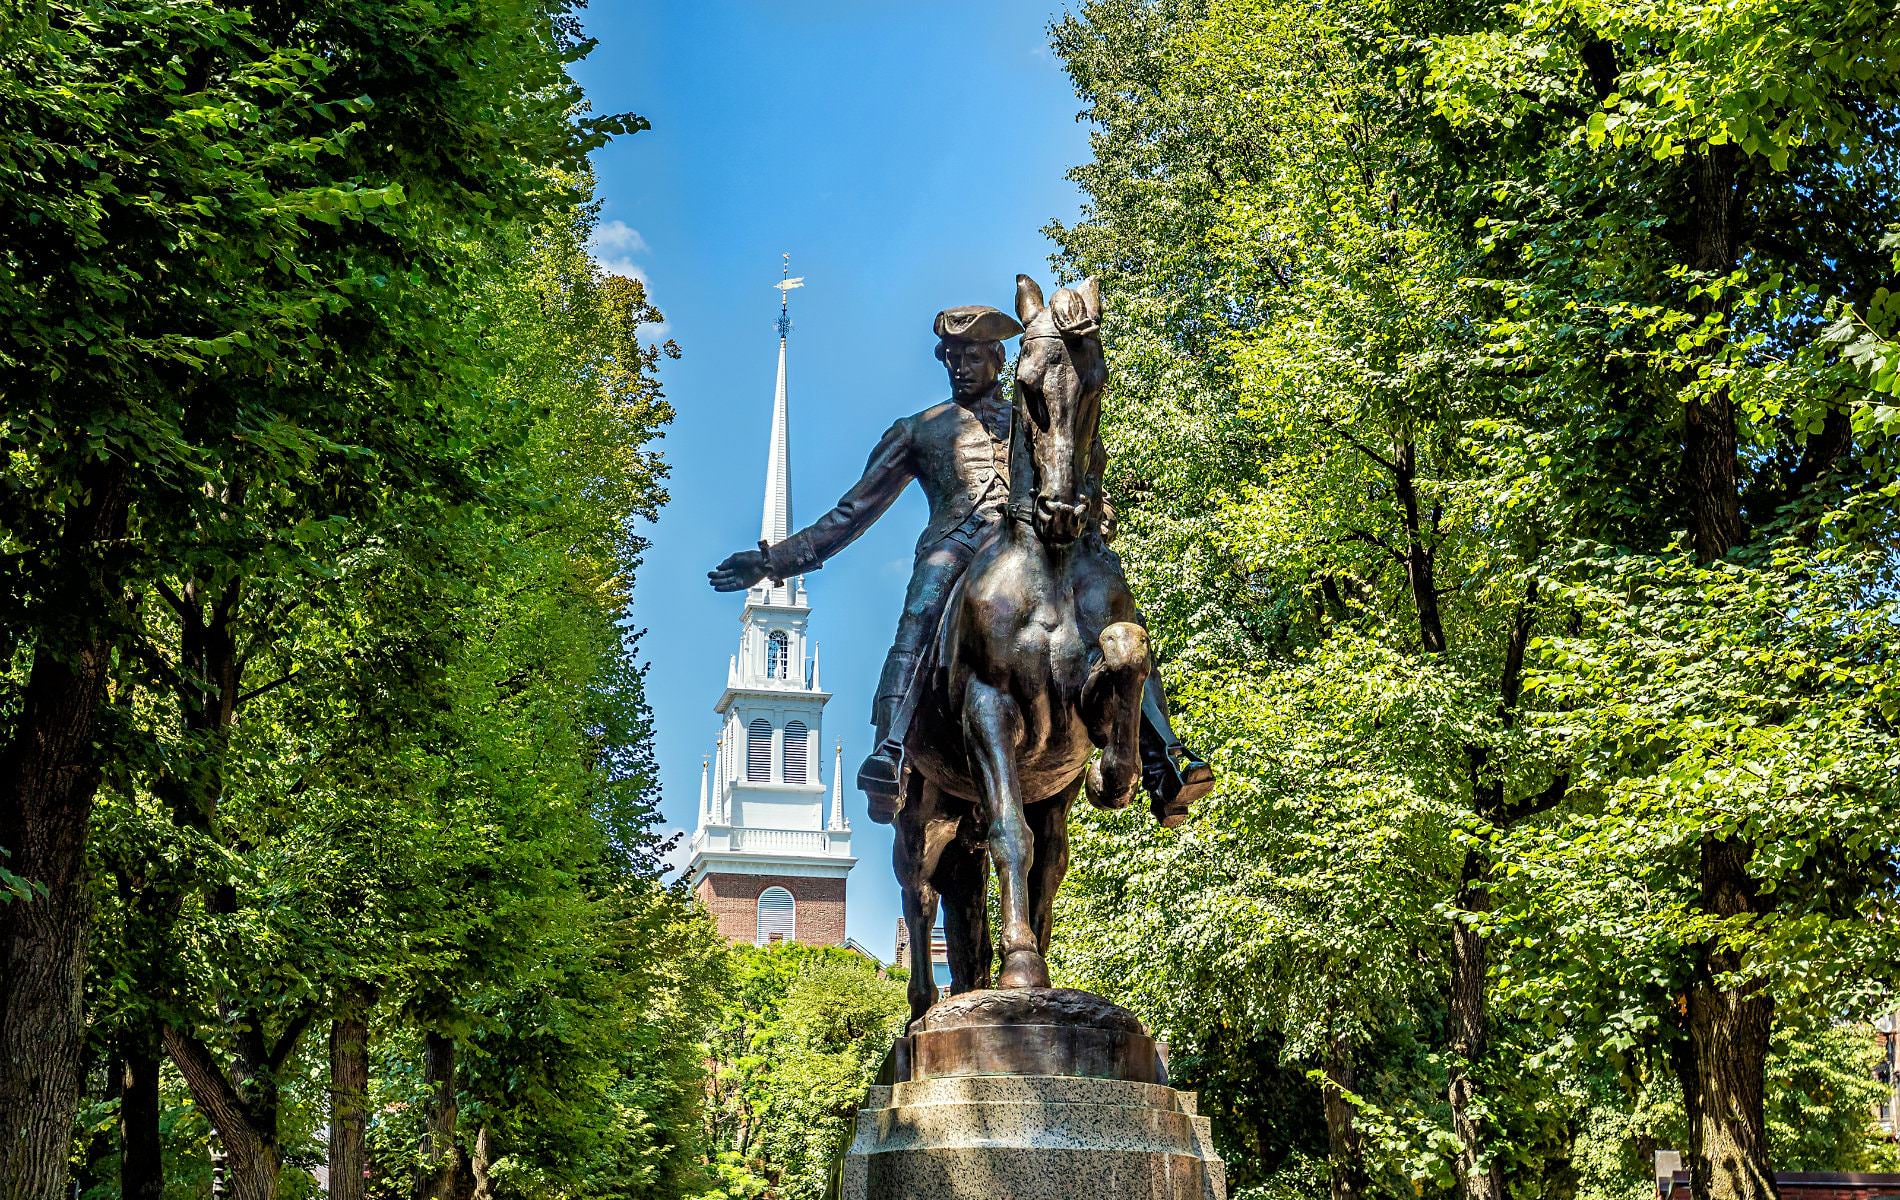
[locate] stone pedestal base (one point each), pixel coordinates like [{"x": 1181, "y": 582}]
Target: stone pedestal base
[
  {"x": 1031, "y": 1094},
  {"x": 1031, "y": 1137}
]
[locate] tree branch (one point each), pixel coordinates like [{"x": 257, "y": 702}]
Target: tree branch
[
  {"x": 247, "y": 696},
  {"x": 1360, "y": 446},
  {"x": 286, "y": 1044},
  {"x": 1536, "y": 802},
  {"x": 210, "y": 1087},
  {"x": 1373, "y": 539},
  {"x": 188, "y": 613}
]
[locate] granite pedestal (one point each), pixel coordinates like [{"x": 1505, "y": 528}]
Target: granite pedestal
[{"x": 1031, "y": 1094}]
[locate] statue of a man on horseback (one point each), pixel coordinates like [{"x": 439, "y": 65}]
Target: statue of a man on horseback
[
  {"x": 958, "y": 452},
  {"x": 1019, "y": 651}
]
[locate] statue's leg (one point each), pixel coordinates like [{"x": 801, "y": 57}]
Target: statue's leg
[
  {"x": 1111, "y": 708},
  {"x": 963, "y": 879},
  {"x": 993, "y": 726},
  {"x": 1174, "y": 775},
  {"x": 909, "y": 857},
  {"x": 936, "y": 572},
  {"x": 1049, "y": 824}
]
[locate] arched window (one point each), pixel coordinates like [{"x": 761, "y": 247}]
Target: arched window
[
  {"x": 778, "y": 915},
  {"x": 795, "y": 752},
  {"x": 778, "y": 656},
  {"x": 758, "y": 751}
]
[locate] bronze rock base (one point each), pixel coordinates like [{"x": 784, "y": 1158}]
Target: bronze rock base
[{"x": 1028, "y": 1031}]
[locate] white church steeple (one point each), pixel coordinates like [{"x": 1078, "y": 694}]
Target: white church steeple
[
  {"x": 763, "y": 823},
  {"x": 775, "y": 519}
]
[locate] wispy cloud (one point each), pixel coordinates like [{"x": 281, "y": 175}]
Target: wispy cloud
[{"x": 613, "y": 246}]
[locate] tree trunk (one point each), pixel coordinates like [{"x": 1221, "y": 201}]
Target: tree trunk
[
  {"x": 349, "y": 1092},
  {"x": 439, "y": 1154},
  {"x": 1710, "y": 471},
  {"x": 1419, "y": 557},
  {"x": 49, "y": 771},
  {"x": 480, "y": 1167},
  {"x": 1345, "y": 1145},
  {"x": 141, "y": 1157},
  {"x": 246, "y": 1125},
  {"x": 1724, "y": 1063},
  {"x": 1470, "y": 1038}
]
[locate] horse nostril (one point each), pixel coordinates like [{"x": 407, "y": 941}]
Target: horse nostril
[{"x": 1059, "y": 519}]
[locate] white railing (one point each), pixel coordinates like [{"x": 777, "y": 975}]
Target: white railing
[{"x": 782, "y": 841}]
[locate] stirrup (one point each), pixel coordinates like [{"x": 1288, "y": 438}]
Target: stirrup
[{"x": 1175, "y": 781}]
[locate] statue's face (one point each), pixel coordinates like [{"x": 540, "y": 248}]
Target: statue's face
[{"x": 973, "y": 368}]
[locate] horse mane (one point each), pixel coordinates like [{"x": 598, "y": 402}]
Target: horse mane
[{"x": 1022, "y": 467}]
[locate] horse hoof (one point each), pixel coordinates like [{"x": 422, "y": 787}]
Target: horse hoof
[
  {"x": 1024, "y": 969},
  {"x": 1095, "y": 789}
]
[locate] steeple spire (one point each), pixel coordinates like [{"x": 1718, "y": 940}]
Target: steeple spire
[
  {"x": 837, "y": 790},
  {"x": 776, "y": 521}
]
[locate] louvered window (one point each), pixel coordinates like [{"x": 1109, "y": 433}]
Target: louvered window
[
  {"x": 778, "y": 657},
  {"x": 778, "y": 915},
  {"x": 795, "y": 752},
  {"x": 758, "y": 751}
]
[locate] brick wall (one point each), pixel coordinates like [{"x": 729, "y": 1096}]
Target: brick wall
[{"x": 733, "y": 900}]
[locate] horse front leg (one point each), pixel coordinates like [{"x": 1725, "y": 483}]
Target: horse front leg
[
  {"x": 1111, "y": 708},
  {"x": 993, "y": 727}
]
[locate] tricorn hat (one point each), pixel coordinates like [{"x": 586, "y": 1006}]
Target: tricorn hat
[{"x": 976, "y": 323}]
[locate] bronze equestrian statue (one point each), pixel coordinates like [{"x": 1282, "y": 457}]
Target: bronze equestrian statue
[
  {"x": 958, "y": 452},
  {"x": 1020, "y": 650}
]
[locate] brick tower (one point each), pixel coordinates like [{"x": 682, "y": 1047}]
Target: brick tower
[{"x": 768, "y": 860}]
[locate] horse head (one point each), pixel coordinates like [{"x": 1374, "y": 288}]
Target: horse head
[{"x": 1059, "y": 382}]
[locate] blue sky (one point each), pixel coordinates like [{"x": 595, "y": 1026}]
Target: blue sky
[{"x": 907, "y": 156}]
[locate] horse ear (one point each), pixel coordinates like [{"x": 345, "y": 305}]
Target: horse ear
[
  {"x": 1091, "y": 290},
  {"x": 1028, "y": 300}
]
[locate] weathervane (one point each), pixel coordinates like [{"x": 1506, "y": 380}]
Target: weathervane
[{"x": 785, "y": 285}]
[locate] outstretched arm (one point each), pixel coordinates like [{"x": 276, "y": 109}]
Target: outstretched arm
[{"x": 885, "y": 476}]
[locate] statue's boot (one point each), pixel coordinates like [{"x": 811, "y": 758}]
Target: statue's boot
[
  {"x": 1174, "y": 776},
  {"x": 881, "y": 775}
]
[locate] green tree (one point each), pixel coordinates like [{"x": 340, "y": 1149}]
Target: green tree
[
  {"x": 230, "y": 236},
  {"x": 798, "y": 1040},
  {"x": 1409, "y": 303},
  {"x": 1356, "y": 483},
  {"x": 1678, "y": 199}
]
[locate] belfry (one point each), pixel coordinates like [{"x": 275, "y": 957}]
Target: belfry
[{"x": 772, "y": 849}]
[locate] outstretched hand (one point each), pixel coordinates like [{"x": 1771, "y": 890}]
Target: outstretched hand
[{"x": 739, "y": 571}]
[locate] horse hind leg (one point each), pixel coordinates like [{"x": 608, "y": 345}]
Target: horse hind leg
[
  {"x": 1111, "y": 708},
  {"x": 963, "y": 880},
  {"x": 993, "y": 727},
  {"x": 909, "y": 855},
  {"x": 1049, "y": 823}
]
